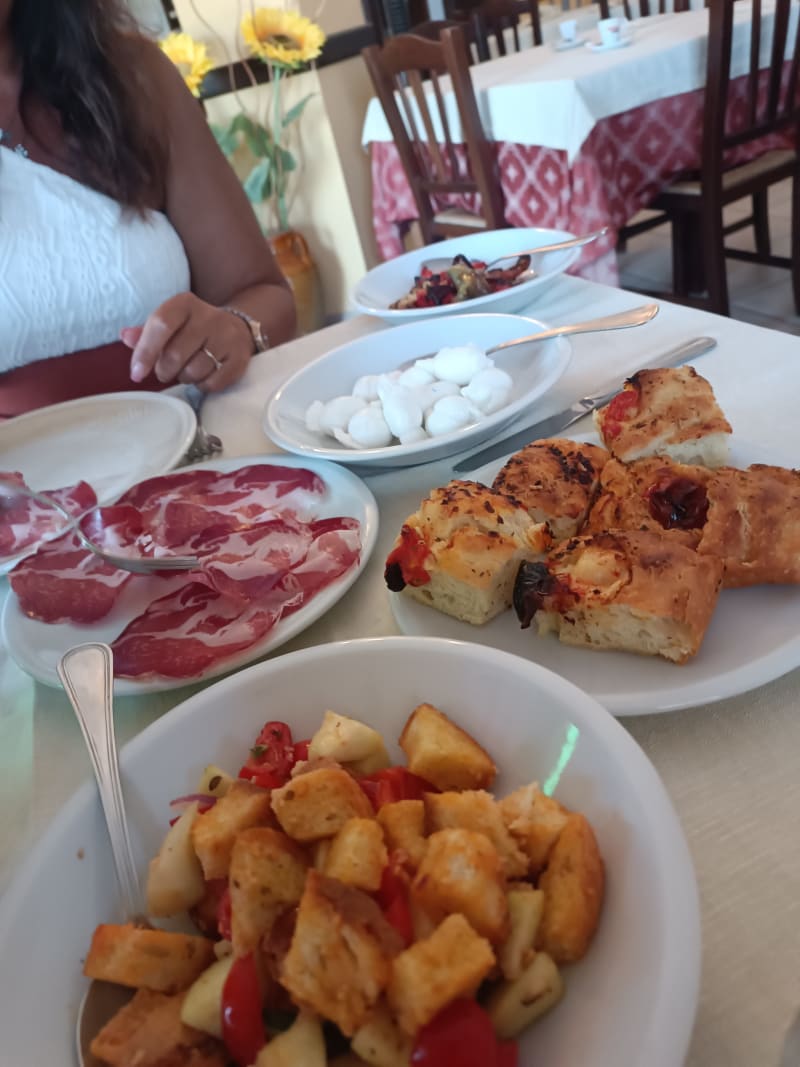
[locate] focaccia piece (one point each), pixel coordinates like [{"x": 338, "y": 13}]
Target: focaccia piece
[
  {"x": 668, "y": 411},
  {"x": 753, "y": 525},
  {"x": 460, "y": 551},
  {"x": 652, "y": 494},
  {"x": 556, "y": 480},
  {"x": 636, "y": 591}
]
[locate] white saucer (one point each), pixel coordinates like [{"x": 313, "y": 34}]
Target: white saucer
[
  {"x": 598, "y": 46},
  {"x": 565, "y": 46}
]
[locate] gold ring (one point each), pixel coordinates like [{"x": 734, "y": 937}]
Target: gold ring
[{"x": 217, "y": 362}]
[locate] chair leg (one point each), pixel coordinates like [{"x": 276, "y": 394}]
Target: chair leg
[
  {"x": 715, "y": 264},
  {"x": 796, "y": 241},
  {"x": 682, "y": 249},
  {"x": 761, "y": 221}
]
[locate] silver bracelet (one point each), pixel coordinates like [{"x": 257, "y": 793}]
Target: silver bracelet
[{"x": 260, "y": 339}]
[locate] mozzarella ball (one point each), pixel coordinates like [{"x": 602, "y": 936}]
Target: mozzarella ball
[
  {"x": 367, "y": 386},
  {"x": 460, "y": 363},
  {"x": 368, "y": 428},
  {"x": 449, "y": 414},
  {"x": 313, "y": 416},
  {"x": 344, "y": 438},
  {"x": 402, "y": 410},
  {"x": 411, "y": 438},
  {"x": 339, "y": 411},
  {"x": 489, "y": 390},
  {"x": 415, "y": 376}
]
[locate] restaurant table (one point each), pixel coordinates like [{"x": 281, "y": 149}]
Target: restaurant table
[
  {"x": 582, "y": 139},
  {"x": 730, "y": 767}
]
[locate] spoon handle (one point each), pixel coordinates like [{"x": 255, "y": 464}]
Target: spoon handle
[
  {"x": 86, "y": 672},
  {"x": 620, "y": 321},
  {"x": 559, "y": 246}
]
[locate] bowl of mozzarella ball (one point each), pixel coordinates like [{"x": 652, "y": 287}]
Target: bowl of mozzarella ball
[{"x": 415, "y": 393}]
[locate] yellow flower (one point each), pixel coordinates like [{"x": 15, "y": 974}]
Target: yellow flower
[
  {"x": 282, "y": 37},
  {"x": 190, "y": 57}
]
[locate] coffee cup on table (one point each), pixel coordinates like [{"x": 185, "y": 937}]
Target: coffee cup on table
[
  {"x": 568, "y": 28},
  {"x": 612, "y": 31}
]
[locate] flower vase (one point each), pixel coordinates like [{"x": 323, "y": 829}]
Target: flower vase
[{"x": 295, "y": 260}]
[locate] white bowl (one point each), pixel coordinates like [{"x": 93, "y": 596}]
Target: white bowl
[
  {"x": 630, "y": 1002},
  {"x": 533, "y": 367},
  {"x": 389, "y": 281}
]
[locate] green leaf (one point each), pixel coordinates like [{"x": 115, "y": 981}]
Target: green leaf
[
  {"x": 226, "y": 138},
  {"x": 294, "y": 113},
  {"x": 287, "y": 160},
  {"x": 258, "y": 184}
]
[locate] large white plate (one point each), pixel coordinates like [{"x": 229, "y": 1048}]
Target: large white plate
[
  {"x": 630, "y": 1001},
  {"x": 37, "y": 647},
  {"x": 389, "y": 281},
  {"x": 534, "y": 368},
  {"x": 753, "y": 638},
  {"x": 110, "y": 441}
]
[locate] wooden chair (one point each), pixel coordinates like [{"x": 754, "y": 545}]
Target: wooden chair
[
  {"x": 643, "y": 8},
  {"x": 695, "y": 204},
  {"x": 431, "y": 30},
  {"x": 499, "y": 20},
  {"x": 432, "y": 167}
]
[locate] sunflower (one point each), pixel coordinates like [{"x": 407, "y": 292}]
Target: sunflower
[
  {"x": 189, "y": 56},
  {"x": 282, "y": 37}
]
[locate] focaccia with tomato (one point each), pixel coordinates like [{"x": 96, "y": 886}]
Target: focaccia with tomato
[
  {"x": 667, "y": 411},
  {"x": 635, "y": 591},
  {"x": 556, "y": 480},
  {"x": 652, "y": 494},
  {"x": 459, "y": 553}
]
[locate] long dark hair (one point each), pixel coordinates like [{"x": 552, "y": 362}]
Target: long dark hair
[{"x": 82, "y": 59}]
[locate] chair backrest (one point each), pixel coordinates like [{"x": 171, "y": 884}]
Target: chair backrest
[
  {"x": 431, "y": 30},
  {"x": 499, "y": 20},
  {"x": 605, "y": 12},
  {"x": 770, "y": 101},
  {"x": 407, "y": 73},
  {"x": 643, "y": 8}
]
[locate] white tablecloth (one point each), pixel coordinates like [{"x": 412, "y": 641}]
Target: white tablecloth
[
  {"x": 554, "y": 99},
  {"x": 731, "y": 768}
]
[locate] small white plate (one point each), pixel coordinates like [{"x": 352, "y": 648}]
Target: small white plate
[
  {"x": 110, "y": 441},
  {"x": 753, "y": 638},
  {"x": 612, "y": 46},
  {"x": 631, "y": 1000},
  {"x": 534, "y": 368},
  {"x": 391, "y": 280},
  {"x": 37, "y": 647},
  {"x": 566, "y": 46}
]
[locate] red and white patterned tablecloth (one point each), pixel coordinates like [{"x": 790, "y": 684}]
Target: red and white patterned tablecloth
[{"x": 623, "y": 164}]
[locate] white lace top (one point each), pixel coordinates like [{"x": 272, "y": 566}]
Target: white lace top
[{"x": 73, "y": 268}]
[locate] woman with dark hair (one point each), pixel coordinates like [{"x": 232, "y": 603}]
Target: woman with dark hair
[{"x": 128, "y": 248}]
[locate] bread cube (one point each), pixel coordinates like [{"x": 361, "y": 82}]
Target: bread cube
[
  {"x": 535, "y": 821},
  {"x": 151, "y": 959},
  {"x": 403, "y": 825},
  {"x": 461, "y": 871},
  {"x": 380, "y": 1042},
  {"x": 340, "y": 958},
  {"x": 148, "y": 1031},
  {"x": 443, "y": 753},
  {"x": 318, "y": 804},
  {"x": 213, "y": 832},
  {"x": 267, "y": 876},
  {"x": 573, "y": 885},
  {"x": 357, "y": 855},
  {"x": 475, "y": 809},
  {"x": 449, "y": 964}
]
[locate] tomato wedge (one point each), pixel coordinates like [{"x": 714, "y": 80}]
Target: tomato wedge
[
  {"x": 461, "y": 1035},
  {"x": 243, "y": 1028},
  {"x": 271, "y": 757},
  {"x": 392, "y": 784},
  {"x": 393, "y": 899}
]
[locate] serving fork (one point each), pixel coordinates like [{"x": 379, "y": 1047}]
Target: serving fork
[{"x": 134, "y": 564}]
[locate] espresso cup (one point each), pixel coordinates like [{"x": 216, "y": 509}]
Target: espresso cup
[
  {"x": 568, "y": 28},
  {"x": 612, "y": 30}
]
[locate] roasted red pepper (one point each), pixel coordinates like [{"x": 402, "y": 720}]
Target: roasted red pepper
[
  {"x": 405, "y": 565},
  {"x": 243, "y": 1028}
]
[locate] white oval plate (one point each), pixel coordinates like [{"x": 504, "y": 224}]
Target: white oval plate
[
  {"x": 37, "y": 646},
  {"x": 631, "y": 1000},
  {"x": 389, "y": 281},
  {"x": 110, "y": 441},
  {"x": 534, "y": 368},
  {"x": 753, "y": 638}
]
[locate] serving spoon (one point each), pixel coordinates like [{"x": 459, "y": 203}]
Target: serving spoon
[
  {"x": 87, "y": 674},
  {"x": 442, "y": 263}
]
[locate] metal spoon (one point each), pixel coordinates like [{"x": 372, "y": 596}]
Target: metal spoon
[
  {"x": 443, "y": 262},
  {"x": 87, "y": 673}
]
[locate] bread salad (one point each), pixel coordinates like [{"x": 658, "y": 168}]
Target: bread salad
[
  {"x": 464, "y": 280},
  {"x": 624, "y": 546},
  {"x": 351, "y": 912}
]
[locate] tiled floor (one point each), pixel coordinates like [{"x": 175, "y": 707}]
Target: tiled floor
[{"x": 759, "y": 294}]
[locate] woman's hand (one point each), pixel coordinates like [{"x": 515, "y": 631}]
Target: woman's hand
[{"x": 188, "y": 340}]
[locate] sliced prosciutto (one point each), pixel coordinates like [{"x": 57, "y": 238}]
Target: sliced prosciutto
[
  {"x": 25, "y": 522},
  {"x": 184, "y": 634}
]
